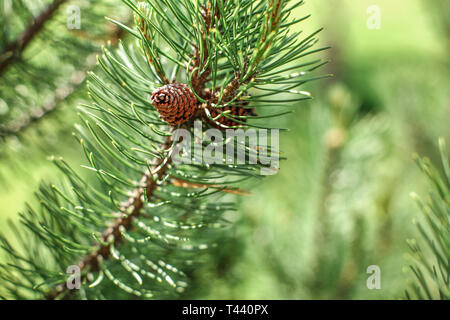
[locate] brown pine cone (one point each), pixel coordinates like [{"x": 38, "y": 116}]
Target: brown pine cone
[{"x": 175, "y": 103}]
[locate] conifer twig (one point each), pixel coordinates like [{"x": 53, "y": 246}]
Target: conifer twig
[
  {"x": 186, "y": 184},
  {"x": 209, "y": 15},
  {"x": 271, "y": 26}
]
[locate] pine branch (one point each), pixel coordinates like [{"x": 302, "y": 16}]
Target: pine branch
[
  {"x": 150, "y": 216},
  {"x": 13, "y": 50},
  {"x": 114, "y": 234}
]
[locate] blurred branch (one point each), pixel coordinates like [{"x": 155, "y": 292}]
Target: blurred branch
[
  {"x": 62, "y": 93},
  {"x": 440, "y": 10},
  {"x": 18, "y": 126},
  {"x": 13, "y": 50},
  {"x": 334, "y": 143}
]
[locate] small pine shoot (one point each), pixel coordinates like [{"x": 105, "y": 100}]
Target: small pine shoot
[{"x": 431, "y": 266}]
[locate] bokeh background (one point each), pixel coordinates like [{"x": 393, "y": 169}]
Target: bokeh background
[{"x": 341, "y": 202}]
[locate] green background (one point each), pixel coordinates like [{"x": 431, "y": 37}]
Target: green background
[{"x": 341, "y": 202}]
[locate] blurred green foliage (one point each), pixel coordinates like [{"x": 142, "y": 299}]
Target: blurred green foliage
[
  {"x": 340, "y": 203},
  {"x": 44, "y": 64}
]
